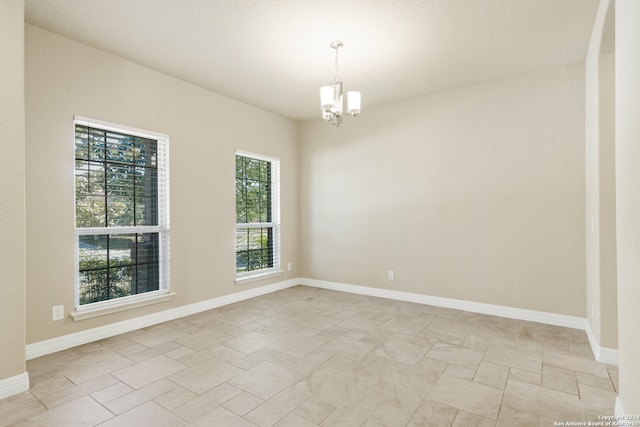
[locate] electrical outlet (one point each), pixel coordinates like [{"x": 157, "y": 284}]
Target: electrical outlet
[
  {"x": 57, "y": 312},
  {"x": 288, "y": 266},
  {"x": 391, "y": 275}
]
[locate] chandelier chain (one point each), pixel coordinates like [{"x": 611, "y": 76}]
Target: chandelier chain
[{"x": 337, "y": 78}]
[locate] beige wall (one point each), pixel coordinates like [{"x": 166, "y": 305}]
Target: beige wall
[
  {"x": 600, "y": 213},
  {"x": 474, "y": 194},
  {"x": 607, "y": 253},
  {"x": 12, "y": 176},
  {"x": 64, "y": 78},
  {"x": 628, "y": 199}
]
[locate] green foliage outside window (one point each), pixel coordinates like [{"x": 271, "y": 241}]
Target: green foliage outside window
[
  {"x": 254, "y": 244},
  {"x": 116, "y": 179},
  {"x": 116, "y": 185},
  {"x": 97, "y": 286}
]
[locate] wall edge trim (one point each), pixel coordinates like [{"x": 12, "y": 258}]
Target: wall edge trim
[
  {"x": 602, "y": 354},
  {"x": 14, "y": 385},
  {"x": 65, "y": 342}
]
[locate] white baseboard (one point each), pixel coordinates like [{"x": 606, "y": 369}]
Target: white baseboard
[
  {"x": 475, "y": 307},
  {"x": 14, "y": 385},
  {"x": 623, "y": 418},
  {"x": 83, "y": 337},
  {"x": 68, "y": 341},
  {"x": 619, "y": 409},
  {"x": 602, "y": 354}
]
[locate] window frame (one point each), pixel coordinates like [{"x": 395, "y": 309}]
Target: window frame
[
  {"x": 162, "y": 228},
  {"x": 274, "y": 224}
]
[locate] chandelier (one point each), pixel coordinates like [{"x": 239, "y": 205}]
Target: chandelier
[{"x": 331, "y": 96}]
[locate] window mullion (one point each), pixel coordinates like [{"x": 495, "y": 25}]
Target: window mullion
[
  {"x": 106, "y": 173},
  {"x": 108, "y": 271},
  {"x": 118, "y": 230},
  {"x": 268, "y": 188},
  {"x": 248, "y": 225},
  {"x": 133, "y": 172}
]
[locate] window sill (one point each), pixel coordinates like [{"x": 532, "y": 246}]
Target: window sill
[
  {"x": 89, "y": 313},
  {"x": 258, "y": 276}
]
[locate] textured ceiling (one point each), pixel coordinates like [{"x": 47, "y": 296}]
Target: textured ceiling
[{"x": 275, "y": 54}]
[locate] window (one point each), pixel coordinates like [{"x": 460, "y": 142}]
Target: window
[
  {"x": 257, "y": 216},
  {"x": 121, "y": 213}
]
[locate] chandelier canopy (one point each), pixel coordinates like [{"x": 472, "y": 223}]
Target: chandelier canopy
[{"x": 331, "y": 99}]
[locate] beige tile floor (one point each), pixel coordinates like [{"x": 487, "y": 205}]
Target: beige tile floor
[{"x": 307, "y": 357}]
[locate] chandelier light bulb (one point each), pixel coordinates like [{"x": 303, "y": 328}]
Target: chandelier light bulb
[
  {"x": 353, "y": 103},
  {"x": 327, "y": 95}
]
